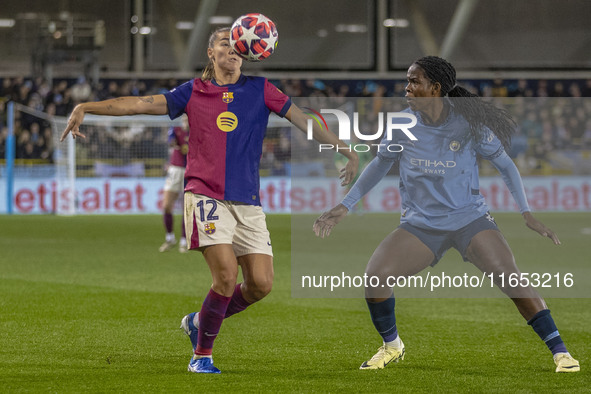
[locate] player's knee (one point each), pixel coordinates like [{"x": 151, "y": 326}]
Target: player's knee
[
  {"x": 261, "y": 288},
  {"x": 226, "y": 279}
]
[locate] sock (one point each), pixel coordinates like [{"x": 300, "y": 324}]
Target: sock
[
  {"x": 183, "y": 230},
  {"x": 544, "y": 326},
  {"x": 395, "y": 343},
  {"x": 168, "y": 222},
  {"x": 169, "y": 237},
  {"x": 237, "y": 303},
  {"x": 383, "y": 318},
  {"x": 211, "y": 317}
]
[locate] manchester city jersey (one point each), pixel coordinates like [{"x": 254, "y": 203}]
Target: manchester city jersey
[
  {"x": 228, "y": 124},
  {"x": 439, "y": 173}
]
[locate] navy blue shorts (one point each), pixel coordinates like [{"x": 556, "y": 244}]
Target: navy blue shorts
[{"x": 440, "y": 241}]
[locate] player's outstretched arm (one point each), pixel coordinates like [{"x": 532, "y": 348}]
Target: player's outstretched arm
[
  {"x": 132, "y": 105},
  {"x": 540, "y": 228},
  {"x": 512, "y": 179},
  {"x": 324, "y": 224},
  {"x": 299, "y": 119}
]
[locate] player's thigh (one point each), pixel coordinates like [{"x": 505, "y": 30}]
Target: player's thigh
[
  {"x": 169, "y": 199},
  {"x": 488, "y": 251},
  {"x": 399, "y": 254}
]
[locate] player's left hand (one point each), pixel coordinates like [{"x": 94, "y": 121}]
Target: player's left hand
[
  {"x": 349, "y": 172},
  {"x": 540, "y": 228},
  {"x": 324, "y": 224}
]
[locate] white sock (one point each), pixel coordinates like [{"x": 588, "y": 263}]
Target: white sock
[
  {"x": 170, "y": 237},
  {"x": 183, "y": 241},
  {"x": 395, "y": 343}
]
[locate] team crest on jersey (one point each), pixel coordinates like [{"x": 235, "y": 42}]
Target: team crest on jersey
[
  {"x": 454, "y": 146},
  {"x": 227, "y": 97},
  {"x": 209, "y": 228}
]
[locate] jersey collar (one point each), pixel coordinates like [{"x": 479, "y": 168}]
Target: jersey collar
[{"x": 240, "y": 81}]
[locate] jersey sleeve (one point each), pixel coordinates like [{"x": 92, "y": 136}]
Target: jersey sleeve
[
  {"x": 386, "y": 154},
  {"x": 489, "y": 147},
  {"x": 371, "y": 176},
  {"x": 276, "y": 100},
  {"x": 512, "y": 179},
  {"x": 177, "y": 99}
]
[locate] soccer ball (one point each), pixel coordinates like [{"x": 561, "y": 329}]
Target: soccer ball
[{"x": 253, "y": 37}]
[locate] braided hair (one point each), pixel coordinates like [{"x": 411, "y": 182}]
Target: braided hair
[{"x": 477, "y": 112}]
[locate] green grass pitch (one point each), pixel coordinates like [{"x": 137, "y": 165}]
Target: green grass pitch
[{"x": 88, "y": 304}]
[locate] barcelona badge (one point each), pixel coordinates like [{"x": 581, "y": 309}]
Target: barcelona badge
[
  {"x": 209, "y": 228},
  {"x": 227, "y": 97}
]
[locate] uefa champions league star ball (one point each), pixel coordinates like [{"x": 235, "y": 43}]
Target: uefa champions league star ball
[{"x": 254, "y": 37}]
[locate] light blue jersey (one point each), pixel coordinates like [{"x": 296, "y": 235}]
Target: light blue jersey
[{"x": 439, "y": 174}]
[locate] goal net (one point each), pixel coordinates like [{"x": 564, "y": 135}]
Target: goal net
[{"x": 119, "y": 167}]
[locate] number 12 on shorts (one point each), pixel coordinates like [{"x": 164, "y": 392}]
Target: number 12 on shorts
[{"x": 211, "y": 214}]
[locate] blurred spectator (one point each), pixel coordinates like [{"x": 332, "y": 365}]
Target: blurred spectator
[
  {"x": 521, "y": 89},
  {"x": 542, "y": 90},
  {"x": 562, "y": 135},
  {"x": 531, "y": 126},
  {"x": 574, "y": 90},
  {"x": 499, "y": 89},
  {"x": 558, "y": 90},
  {"x": 576, "y": 128},
  {"x": 6, "y": 88},
  {"x": 586, "y": 91}
]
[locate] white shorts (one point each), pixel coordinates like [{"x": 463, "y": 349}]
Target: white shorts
[
  {"x": 175, "y": 179},
  {"x": 210, "y": 222}
]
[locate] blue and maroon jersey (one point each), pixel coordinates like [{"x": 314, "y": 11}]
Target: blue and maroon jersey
[
  {"x": 178, "y": 137},
  {"x": 228, "y": 124}
]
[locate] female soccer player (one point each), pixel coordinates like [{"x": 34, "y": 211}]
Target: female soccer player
[
  {"x": 178, "y": 139},
  {"x": 228, "y": 114},
  {"x": 443, "y": 209}
]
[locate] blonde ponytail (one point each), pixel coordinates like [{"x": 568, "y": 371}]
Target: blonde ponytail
[{"x": 208, "y": 72}]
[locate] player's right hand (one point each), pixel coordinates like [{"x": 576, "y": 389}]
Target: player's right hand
[
  {"x": 74, "y": 123},
  {"x": 324, "y": 224}
]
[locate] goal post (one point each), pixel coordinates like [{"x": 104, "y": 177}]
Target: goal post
[{"x": 36, "y": 131}]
